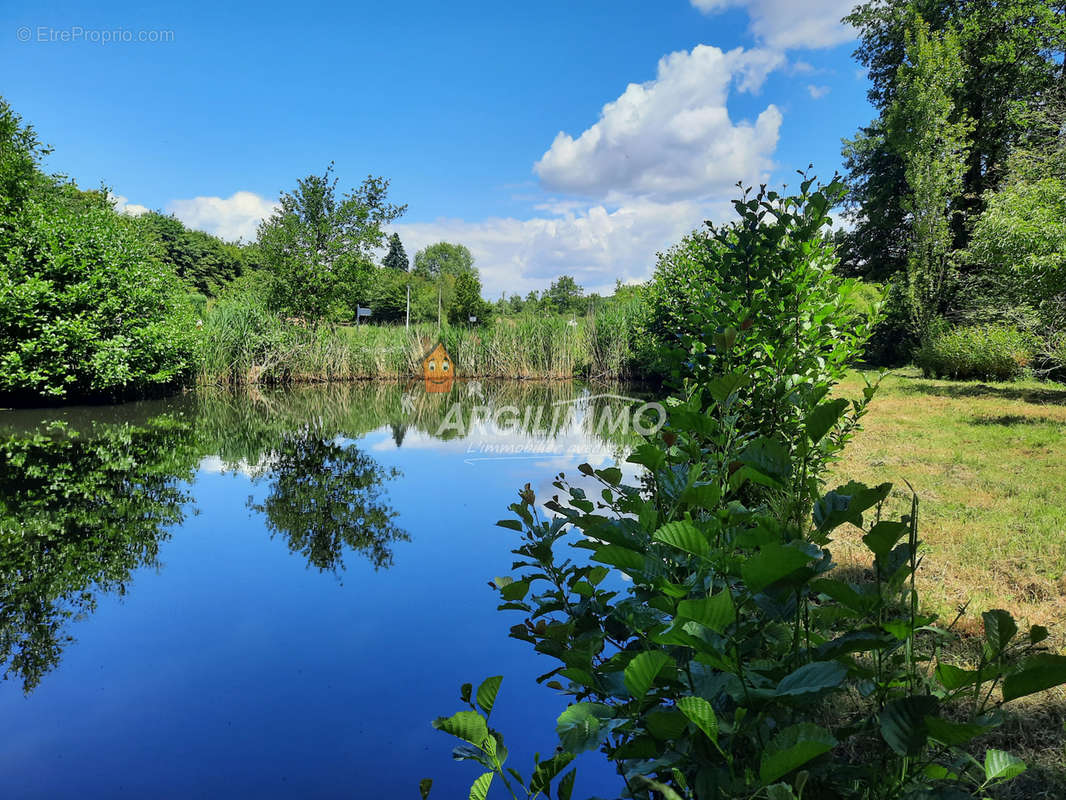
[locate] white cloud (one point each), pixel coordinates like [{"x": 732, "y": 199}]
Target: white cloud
[
  {"x": 124, "y": 206},
  {"x": 817, "y": 92},
  {"x": 231, "y": 218},
  {"x": 596, "y": 245},
  {"x": 672, "y": 137},
  {"x": 786, "y": 24}
]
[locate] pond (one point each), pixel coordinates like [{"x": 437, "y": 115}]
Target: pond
[{"x": 273, "y": 594}]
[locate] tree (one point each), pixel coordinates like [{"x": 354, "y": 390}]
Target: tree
[
  {"x": 932, "y": 140},
  {"x": 86, "y": 307},
  {"x": 20, "y": 155},
  {"x": 326, "y": 497},
  {"x": 468, "y": 302},
  {"x": 444, "y": 258},
  {"x": 564, "y": 295},
  {"x": 317, "y": 248},
  {"x": 203, "y": 261},
  {"x": 396, "y": 258},
  {"x": 1012, "y": 54}
]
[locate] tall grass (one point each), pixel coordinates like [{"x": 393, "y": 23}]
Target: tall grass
[{"x": 243, "y": 343}]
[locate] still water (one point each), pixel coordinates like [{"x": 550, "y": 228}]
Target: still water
[{"x": 273, "y": 594}]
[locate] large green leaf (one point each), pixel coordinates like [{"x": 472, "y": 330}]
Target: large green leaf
[
  {"x": 704, "y": 495},
  {"x": 903, "y": 724},
  {"x": 768, "y": 457},
  {"x": 953, "y": 733},
  {"x": 665, "y": 724},
  {"x": 883, "y": 537},
  {"x": 582, "y": 726},
  {"x": 716, "y": 612},
  {"x": 722, "y": 387},
  {"x": 480, "y": 788},
  {"x": 812, "y": 678},
  {"x": 823, "y": 418},
  {"x": 684, "y": 536},
  {"x": 544, "y": 774},
  {"x": 847, "y": 504},
  {"x": 618, "y": 556},
  {"x": 792, "y": 748},
  {"x": 486, "y": 693},
  {"x": 1002, "y": 766},
  {"x": 701, "y": 713},
  {"x": 566, "y": 785},
  {"x": 466, "y": 725},
  {"x": 424, "y": 786},
  {"x": 649, "y": 456},
  {"x": 772, "y": 563},
  {"x": 641, "y": 671},
  {"x": 1000, "y": 628},
  {"x": 1038, "y": 673}
]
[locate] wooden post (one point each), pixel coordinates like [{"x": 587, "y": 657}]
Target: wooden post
[
  {"x": 438, "y": 308},
  {"x": 407, "y": 325}
]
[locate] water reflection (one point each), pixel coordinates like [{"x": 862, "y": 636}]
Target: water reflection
[
  {"x": 87, "y": 495},
  {"x": 326, "y": 496},
  {"x": 79, "y": 512}
]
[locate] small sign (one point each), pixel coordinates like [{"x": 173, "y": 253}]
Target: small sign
[
  {"x": 363, "y": 312},
  {"x": 473, "y": 319}
]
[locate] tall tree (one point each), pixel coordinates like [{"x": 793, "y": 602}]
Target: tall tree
[
  {"x": 932, "y": 140},
  {"x": 1012, "y": 53},
  {"x": 444, "y": 258},
  {"x": 564, "y": 295},
  {"x": 317, "y": 247},
  {"x": 396, "y": 258},
  {"x": 468, "y": 302}
]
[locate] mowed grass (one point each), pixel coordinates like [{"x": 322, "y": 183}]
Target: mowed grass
[{"x": 988, "y": 462}]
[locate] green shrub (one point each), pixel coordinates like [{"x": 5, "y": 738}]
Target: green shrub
[
  {"x": 708, "y": 648},
  {"x": 86, "y": 309},
  {"x": 759, "y": 296},
  {"x": 983, "y": 352}
]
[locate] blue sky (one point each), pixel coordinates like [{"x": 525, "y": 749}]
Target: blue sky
[{"x": 552, "y": 137}]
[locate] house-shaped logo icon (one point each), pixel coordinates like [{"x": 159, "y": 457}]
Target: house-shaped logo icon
[{"x": 438, "y": 369}]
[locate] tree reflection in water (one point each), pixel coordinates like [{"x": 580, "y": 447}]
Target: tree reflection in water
[
  {"x": 79, "y": 512},
  {"x": 326, "y": 496}
]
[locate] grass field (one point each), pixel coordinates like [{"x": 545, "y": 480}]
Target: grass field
[{"x": 988, "y": 461}]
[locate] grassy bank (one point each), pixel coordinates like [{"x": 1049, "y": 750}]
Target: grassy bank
[
  {"x": 988, "y": 462},
  {"x": 247, "y": 345}
]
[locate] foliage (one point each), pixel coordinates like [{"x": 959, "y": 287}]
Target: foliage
[
  {"x": 20, "y": 155},
  {"x": 1021, "y": 239},
  {"x": 760, "y": 295},
  {"x": 1011, "y": 55},
  {"x": 467, "y": 302},
  {"x": 86, "y": 309},
  {"x": 79, "y": 512},
  {"x": 564, "y": 296},
  {"x": 732, "y": 662},
  {"x": 987, "y": 352},
  {"x": 931, "y": 138},
  {"x": 317, "y": 248},
  {"x": 444, "y": 258},
  {"x": 325, "y": 496},
  {"x": 396, "y": 258},
  {"x": 203, "y": 261}
]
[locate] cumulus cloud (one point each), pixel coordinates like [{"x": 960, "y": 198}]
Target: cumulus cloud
[
  {"x": 596, "y": 245},
  {"x": 672, "y": 137},
  {"x": 788, "y": 24},
  {"x": 817, "y": 92},
  {"x": 231, "y": 218},
  {"x": 124, "y": 206}
]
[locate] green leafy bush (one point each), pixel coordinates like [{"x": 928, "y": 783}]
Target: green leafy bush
[
  {"x": 709, "y": 649},
  {"x": 986, "y": 352},
  {"x": 759, "y": 296},
  {"x": 86, "y": 309}
]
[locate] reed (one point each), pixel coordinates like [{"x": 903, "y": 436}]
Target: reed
[{"x": 244, "y": 344}]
